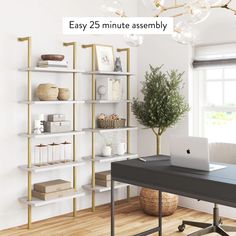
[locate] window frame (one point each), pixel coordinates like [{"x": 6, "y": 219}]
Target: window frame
[{"x": 199, "y": 98}]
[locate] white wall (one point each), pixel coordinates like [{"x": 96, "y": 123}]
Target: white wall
[
  {"x": 42, "y": 20},
  {"x": 157, "y": 50}
]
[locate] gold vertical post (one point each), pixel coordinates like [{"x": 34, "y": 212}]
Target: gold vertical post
[
  {"x": 93, "y": 126},
  {"x": 128, "y": 96},
  {"x": 93, "y": 119},
  {"x": 29, "y": 130},
  {"x": 74, "y": 45}
]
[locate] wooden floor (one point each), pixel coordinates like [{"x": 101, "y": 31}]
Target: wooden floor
[{"x": 129, "y": 220}]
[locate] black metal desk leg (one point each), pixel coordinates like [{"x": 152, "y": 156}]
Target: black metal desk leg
[
  {"x": 160, "y": 213},
  {"x": 112, "y": 209}
]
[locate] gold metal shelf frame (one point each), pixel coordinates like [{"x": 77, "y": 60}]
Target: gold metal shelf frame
[
  {"x": 128, "y": 97},
  {"x": 29, "y": 129}
]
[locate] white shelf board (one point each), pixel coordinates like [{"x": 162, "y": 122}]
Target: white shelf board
[
  {"x": 102, "y": 159},
  {"x": 99, "y": 130},
  {"x": 48, "y": 167},
  {"x": 51, "y": 70},
  {"x": 52, "y": 102},
  {"x": 47, "y": 135},
  {"x": 38, "y": 202},
  {"x": 107, "y": 101},
  {"x": 112, "y": 73},
  {"x": 101, "y": 189}
]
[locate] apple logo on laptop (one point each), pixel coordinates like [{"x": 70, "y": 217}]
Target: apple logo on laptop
[{"x": 188, "y": 151}]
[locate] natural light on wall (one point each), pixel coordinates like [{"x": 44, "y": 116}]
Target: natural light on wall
[{"x": 214, "y": 93}]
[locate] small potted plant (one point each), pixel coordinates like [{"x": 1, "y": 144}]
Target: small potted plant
[{"x": 162, "y": 107}]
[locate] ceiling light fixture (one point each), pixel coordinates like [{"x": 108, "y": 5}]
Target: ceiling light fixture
[{"x": 185, "y": 12}]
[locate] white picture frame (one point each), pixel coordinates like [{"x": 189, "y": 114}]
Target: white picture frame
[{"x": 104, "y": 58}]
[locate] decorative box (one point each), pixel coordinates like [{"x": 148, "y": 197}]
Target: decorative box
[
  {"x": 53, "y": 195},
  {"x": 56, "y": 117},
  {"x": 104, "y": 175},
  {"x": 57, "y": 126},
  {"x": 52, "y": 186}
]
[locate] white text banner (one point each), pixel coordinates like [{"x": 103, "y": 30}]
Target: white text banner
[{"x": 117, "y": 25}]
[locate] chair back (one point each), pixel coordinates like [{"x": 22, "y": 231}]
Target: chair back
[{"x": 222, "y": 152}]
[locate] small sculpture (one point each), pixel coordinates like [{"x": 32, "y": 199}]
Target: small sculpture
[
  {"x": 118, "y": 66},
  {"x": 37, "y": 127},
  {"x": 101, "y": 91}
]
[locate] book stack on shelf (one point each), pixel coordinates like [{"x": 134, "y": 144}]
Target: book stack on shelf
[
  {"x": 52, "y": 189},
  {"x": 52, "y": 61},
  {"x": 103, "y": 178}
]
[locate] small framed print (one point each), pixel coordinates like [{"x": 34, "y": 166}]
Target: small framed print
[{"x": 104, "y": 58}]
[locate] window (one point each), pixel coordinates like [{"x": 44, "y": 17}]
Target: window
[{"x": 214, "y": 103}]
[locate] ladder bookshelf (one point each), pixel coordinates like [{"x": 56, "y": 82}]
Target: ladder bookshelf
[
  {"x": 94, "y": 158},
  {"x": 31, "y": 169}
]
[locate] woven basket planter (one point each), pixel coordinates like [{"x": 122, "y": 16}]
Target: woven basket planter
[
  {"x": 111, "y": 124},
  {"x": 149, "y": 202}
]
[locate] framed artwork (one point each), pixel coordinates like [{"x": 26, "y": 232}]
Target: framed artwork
[{"x": 104, "y": 58}]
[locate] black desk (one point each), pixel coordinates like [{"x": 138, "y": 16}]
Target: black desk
[{"x": 218, "y": 186}]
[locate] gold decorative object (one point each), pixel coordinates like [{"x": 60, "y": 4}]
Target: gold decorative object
[
  {"x": 47, "y": 92},
  {"x": 149, "y": 202},
  {"x": 64, "y": 94}
]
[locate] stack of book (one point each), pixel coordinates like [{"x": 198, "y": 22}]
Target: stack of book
[
  {"x": 52, "y": 60},
  {"x": 50, "y": 63},
  {"x": 103, "y": 178},
  {"x": 52, "y": 189}
]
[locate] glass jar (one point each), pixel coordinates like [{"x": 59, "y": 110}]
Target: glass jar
[
  {"x": 66, "y": 151},
  {"x": 54, "y": 153},
  {"x": 40, "y": 155}
]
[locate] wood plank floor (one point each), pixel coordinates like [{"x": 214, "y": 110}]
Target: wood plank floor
[{"x": 129, "y": 220}]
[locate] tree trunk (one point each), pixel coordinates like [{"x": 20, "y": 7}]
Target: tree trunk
[
  {"x": 158, "y": 143},
  {"x": 149, "y": 197}
]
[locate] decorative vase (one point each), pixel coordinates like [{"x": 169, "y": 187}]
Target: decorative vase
[
  {"x": 47, "y": 92},
  {"x": 106, "y": 151},
  {"x": 64, "y": 94},
  {"x": 149, "y": 199}
]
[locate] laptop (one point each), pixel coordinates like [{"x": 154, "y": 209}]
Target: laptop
[{"x": 191, "y": 152}]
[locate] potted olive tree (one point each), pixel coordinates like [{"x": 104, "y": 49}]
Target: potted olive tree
[{"x": 162, "y": 107}]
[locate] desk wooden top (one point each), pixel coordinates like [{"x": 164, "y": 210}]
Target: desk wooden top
[{"x": 216, "y": 186}]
